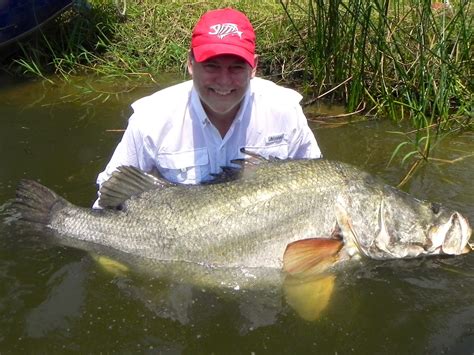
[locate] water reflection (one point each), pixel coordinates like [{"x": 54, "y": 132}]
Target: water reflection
[
  {"x": 63, "y": 303},
  {"x": 259, "y": 301},
  {"x": 55, "y": 298}
]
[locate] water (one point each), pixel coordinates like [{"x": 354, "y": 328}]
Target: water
[{"x": 55, "y": 298}]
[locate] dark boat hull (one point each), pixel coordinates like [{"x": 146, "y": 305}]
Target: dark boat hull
[{"x": 18, "y": 18}]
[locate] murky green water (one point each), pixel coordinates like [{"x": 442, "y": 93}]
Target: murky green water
[{"x": 56, "y": 299}]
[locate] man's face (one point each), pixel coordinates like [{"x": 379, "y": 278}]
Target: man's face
[{"x": 221, "y": 83}]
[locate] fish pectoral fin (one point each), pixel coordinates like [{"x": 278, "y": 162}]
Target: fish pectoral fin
[
  {"x": 311, "y": 256},
  {"x": 309, "y": 297}
]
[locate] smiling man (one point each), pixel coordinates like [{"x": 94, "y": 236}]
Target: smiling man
[{"x": 189, "y": 131}]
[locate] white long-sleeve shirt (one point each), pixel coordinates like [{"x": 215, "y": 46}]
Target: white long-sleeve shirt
[{"x": 169, "y": 131}]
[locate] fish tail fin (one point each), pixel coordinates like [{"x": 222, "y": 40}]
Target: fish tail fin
[
  {"x": 311, "y": 256},
  {"x": 35, "y": 203}
]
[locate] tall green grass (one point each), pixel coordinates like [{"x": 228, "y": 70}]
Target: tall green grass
[{"x": 399, "y": 59}]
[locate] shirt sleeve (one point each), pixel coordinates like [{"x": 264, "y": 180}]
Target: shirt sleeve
[
  {"x": 304, "y": 144},
  {"x": 131, "y": 151}
]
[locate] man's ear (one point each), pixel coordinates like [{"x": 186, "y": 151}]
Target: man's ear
[
  {"x": 190, "y": 63},
  {"x": 254, "y": 69}
]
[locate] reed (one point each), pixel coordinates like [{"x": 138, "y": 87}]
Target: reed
[{"x": 400, "y": 59}]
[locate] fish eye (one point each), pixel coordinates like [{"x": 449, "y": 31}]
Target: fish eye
[{"x": 435, "y": 207}]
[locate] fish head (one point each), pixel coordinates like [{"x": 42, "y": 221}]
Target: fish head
[
  {"x": 389, "y": 223},
  {"x": 431, "y": 227}
]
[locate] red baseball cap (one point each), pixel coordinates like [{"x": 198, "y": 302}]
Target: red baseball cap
[{"x": 223, "y": 31}]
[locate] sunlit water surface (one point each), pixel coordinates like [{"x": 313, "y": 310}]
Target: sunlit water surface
[{"x": 56, "y": 298}]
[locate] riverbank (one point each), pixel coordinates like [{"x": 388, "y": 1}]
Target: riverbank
[{"x": 403, "y": 60}]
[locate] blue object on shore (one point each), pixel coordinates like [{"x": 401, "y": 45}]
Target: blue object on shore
[{"x": 19, "y": 18}]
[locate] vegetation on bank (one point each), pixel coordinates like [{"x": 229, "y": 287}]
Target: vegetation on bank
[
  {"x": 407, "y": 60},
  {"x": 399, "y": 59}
]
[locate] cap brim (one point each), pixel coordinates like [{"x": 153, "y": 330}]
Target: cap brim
[{"x": 206, "y": 51}]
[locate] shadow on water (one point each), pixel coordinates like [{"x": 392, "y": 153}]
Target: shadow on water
[{"x": 58, "y": 298}]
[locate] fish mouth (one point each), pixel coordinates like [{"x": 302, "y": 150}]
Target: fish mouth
[{"x": 452, "y": 237}]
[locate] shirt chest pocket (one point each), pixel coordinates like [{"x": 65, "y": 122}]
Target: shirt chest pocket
[{"x": 185, "y": 167}]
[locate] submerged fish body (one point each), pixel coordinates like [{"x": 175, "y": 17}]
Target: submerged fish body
[{"x": 250, "y": 221}]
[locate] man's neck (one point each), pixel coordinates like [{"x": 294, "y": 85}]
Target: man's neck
[{"x": 222, "y": 121}]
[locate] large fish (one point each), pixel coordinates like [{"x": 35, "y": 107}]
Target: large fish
[{"x": 299, "y": 214}]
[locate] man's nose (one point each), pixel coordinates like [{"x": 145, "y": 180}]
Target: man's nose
[{"x": 225, "y": 76}]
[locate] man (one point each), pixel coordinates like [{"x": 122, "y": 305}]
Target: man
[{"x": 189, "y": 131}]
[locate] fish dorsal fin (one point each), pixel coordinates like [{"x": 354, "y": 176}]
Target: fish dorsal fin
[
  {"x": 252, "y": 159},
  {"x": 128, "y": 181},
  {"x": 228, "y": 173},
  {"x": 247, "y": 165},
  {"x": 311, "y": 256}
]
